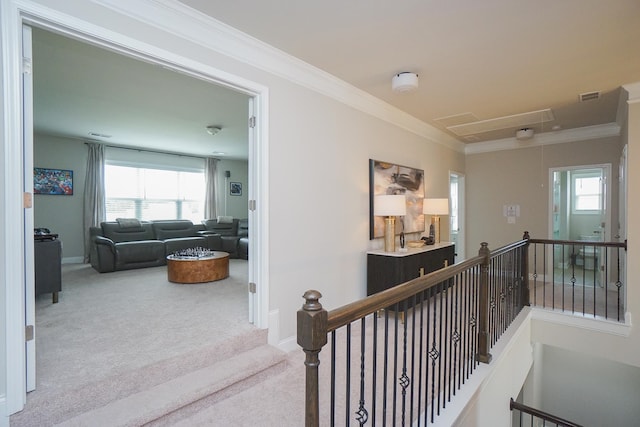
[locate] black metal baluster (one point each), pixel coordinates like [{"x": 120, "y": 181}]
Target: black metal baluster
[
  {"x": 333, "y": 378},
  {"x": 606, "y": 276},
  {"x": 456, "y": 335},
  {"x": 420, "y": 357},
  {"x": 395, "y": 363},
  {"x": 347, "y": 398},
  {"x": 427, "y": 341},
  {"x": 374, "y": 368},
  {"x": 440, "y": 326},
  {"x": 385, "y": 368},
  {"x": 413, "y": 357},
  {"x": 618, "y": 282},
  {"x": 361, "y": 414},
  {"x": 404, "y": 380}
]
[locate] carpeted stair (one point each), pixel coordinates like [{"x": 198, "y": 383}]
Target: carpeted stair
[
  {"x": 172, "y": 386},
  {"x": 187, "y": 394}
]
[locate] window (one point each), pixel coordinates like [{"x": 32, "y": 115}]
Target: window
[
  {"x": 148, "y": 194},
  {"x": 587, "y": 197}
]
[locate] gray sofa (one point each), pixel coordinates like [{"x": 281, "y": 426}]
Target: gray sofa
[{"x": 128, "y": 243}]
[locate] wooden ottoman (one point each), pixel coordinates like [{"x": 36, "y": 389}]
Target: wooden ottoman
[{"x": 198, "y": 270}]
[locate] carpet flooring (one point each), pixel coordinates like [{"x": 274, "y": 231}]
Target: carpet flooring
[{"x": 113, "y": 334}]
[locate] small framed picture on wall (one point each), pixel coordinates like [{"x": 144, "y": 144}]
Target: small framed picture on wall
[{"x": 235, "y": 189}]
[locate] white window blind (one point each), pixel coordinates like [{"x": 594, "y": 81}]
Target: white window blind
[{"x": 148, "y": 194}]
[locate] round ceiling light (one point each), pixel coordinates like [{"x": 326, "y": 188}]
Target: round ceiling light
[
  {"x": 525, "y": 133},
  {"x": 212, "y": 130},
  {"x": 404, "y": 82}
]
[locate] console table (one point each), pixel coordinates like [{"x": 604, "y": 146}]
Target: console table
[{"x": 388, "y": 269}]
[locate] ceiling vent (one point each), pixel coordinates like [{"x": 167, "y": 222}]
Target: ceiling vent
[
  {"x": 507, "y": 122},
  {"x": 589, "y": 96}
]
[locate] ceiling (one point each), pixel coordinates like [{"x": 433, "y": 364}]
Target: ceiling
[
  {"x": 81, "y": 89},
  {"x": 477, "y": 61}
]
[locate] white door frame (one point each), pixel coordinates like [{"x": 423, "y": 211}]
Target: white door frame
[
  {"x": 14, "y": 14},
  {"x": 460, "y": 247},
  {"x": 606, "y": 167}
]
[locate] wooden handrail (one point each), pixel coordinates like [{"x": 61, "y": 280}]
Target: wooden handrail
[
  {"x": 541, "y": 414},
  {"x": 348, "y": 313},
  {"x": 581, "y": 243}
]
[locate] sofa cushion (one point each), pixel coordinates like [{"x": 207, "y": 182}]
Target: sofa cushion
[
  {"x": 223, "y": 229},
  {"x": 243, "y": 227},
  {"x": 144, "y": 251},
  {"x": 119, "y": 233},
  {"x": 171, "y": 229}
]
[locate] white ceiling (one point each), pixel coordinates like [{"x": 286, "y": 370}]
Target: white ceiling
[
  {"x": 80, "y": 88},
  {"x": 489, "y": 58},
  {"x": 476, "y": 60}
]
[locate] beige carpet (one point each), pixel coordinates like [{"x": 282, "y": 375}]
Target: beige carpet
[{"x": 114, "y": 334}]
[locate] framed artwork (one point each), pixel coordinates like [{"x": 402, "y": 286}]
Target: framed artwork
[
  {"x": 235, "y": 189},
  {"x": 53, "y": 181},
  {"x": 389, "y": 178}
]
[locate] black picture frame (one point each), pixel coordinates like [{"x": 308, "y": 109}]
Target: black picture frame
[
  {"x": 56, "y": 182},
  {"x": 235, "y": 188}
]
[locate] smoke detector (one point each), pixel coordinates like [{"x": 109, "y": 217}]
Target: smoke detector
[
  {"x": 404, "y": 82},
  {"x": 524, "y": 133}
]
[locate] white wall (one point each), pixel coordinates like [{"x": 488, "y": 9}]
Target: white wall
[
  {"x": 62, "y": 214},
  {"x": 235, "y": 206}
]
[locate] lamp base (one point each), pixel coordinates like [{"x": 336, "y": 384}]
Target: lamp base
[
  {"x": 390, "y": 234},
  {"x": 435, "y": 221}
]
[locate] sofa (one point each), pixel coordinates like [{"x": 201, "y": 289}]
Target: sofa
[
  {"x": 226, "y": 228},
  {"x": 128, "y": 243}
]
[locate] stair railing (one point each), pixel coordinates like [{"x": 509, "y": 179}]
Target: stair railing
[
  {"x": 415, "y": 344},
  {"x": 538, "y": 417}
]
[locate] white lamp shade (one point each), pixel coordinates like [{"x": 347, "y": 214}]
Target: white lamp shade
[
  {"x": 435, "y": 206},
  {"x": 390, "y": 205}
]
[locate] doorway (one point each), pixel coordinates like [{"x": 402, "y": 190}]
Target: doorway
[
  {"x": 580, "y": 204},
  {"x": 456, "y": 218},
  {"x": 257, "y": 185}
]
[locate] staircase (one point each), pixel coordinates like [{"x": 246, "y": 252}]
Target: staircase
[{"x": 164, "y": 393}]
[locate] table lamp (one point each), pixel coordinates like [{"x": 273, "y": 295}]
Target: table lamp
[
  {"x": 435, "y": 207},
  {"x": 390, "y": 206}
]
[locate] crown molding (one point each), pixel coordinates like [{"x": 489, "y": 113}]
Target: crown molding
[
  {"x": 633, "y": 89},
  {"x": 203, "y": 30},
  {"x": 547, "y": 138}
]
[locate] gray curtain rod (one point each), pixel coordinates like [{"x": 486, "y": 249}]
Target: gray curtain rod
[{"x": 148, "y": 151}]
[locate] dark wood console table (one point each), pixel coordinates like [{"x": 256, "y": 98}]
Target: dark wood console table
[{"x": 388, "y": 269}]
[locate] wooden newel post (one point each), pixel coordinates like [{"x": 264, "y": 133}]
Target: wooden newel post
[
  {"x": 483, "y": 354},
  {"x": 525, "y": 270},
  {"x": 312, "y": 336}
]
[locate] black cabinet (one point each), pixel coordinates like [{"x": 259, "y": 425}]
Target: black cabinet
[
  {"x": 48, "y": 267},
  {"x": 388, "y": 269}
]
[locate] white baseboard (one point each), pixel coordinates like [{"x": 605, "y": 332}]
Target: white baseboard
[
  {"x": 73, "y": 260},
  {"x": 273, "y": 334},
  {"x": 289, "y": 344}
]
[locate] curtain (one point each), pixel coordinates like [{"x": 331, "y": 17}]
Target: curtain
[
  {"x": 95, "y": 210},
  {"x": 211, "y": 188}
]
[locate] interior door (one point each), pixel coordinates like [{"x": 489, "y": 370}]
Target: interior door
[{"x": 27, "y": 162}]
